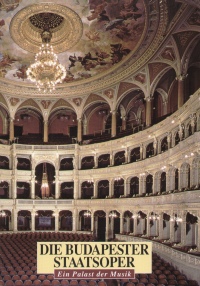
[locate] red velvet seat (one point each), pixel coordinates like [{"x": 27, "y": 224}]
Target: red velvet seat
[
  {"x": 28, "y": 282},
  {"x": 64, "y": 282},
  {"x": 9, "y": 283},
  {"x": 37, "y": 282},
  {"x": 19, "y": 283},
  {"x": 55, "y": 282},
  {"x": 46, "y": 282}
]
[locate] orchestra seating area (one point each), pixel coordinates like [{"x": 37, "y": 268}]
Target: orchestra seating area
[{"x": 18, "y": 264}]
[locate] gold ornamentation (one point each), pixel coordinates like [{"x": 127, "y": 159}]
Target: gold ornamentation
[
  {"x": 94, "y": 97},
  {"x": 109, "y": 93},
  {"x": 27, "y": 36},
  {"x": 30, "y": 103},
  {"x": 141, "y": 78},
  {"x": 77, "y": 101},
  {"x": 46, "y": 103},
  {"x": 14, "y": 101}
]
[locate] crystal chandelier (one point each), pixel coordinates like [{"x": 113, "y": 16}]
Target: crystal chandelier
[{"x": 46, "y": 71}]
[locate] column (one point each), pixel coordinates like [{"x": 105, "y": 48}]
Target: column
[
  {"x": 154, "y": 186},
  {"x": 169, "y": 140},
  {"x": 75, "y": 217},
  {"x": 33, "y": 187},
  {"x": 95, "y": 187},
  {"x": 148, "y": 111},
  {"x": 114, "y": 124},
  {"x": 183, "y": 228},
  {"x": 84, "y": 127},
  {"x": 111, "y": 188},
  {"x": 155, "y": 146},
  {"x": 5, "y": 126},
  {"x": 14, "y": 189},
  {"x": 92, "y": 221},
  {"x": 111, "y": 159},
  {"x": 32, "y": 178},
  {"x": 57, "y": 188},
  {"x": 171, "y": 228},
  {"x": 128, "y": 156},
  {"x": 198, "y": 235},
  {"x": 45, "y": 135},
  {"x": 124, "y": 123},
  {"x": 140, "y": 185},
  {"x": 32, "y": 220},
  {"x": 76, "y": 189},
  {"x": 11, "y": 130},
  {"x": 107, "y": 226},
  {"x": 181, "y": 90},
  {"x": 141, "y": 152},
  {"x": 168, "y": 181},
  {"x": 15, "y": 212},
  {"x": 144, "y": 152},
  {"x": 148, "y": 226},
  {"x": 126, "y": 187},
  {"x": 9, "y": 190},
  {"x": 95, "y": 161},
  {"x": 121, "y": 222},
  {"x": 128, "y": 221},
  {"x": 56, "y": 220},
  {"x": 160, "y": 226},
  {"x": 12, "y": 221},
  {"x": 135, "y": 232},
  {"x": 79, "y": 131}
]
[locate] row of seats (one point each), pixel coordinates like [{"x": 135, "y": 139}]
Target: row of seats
[{"x": 18, "y": 264}]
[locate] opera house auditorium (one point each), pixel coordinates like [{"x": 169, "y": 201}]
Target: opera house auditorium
[{"x": 100, "y": 133}]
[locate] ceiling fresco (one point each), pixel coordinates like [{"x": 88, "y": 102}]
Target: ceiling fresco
[{"x": 112, "y": 30}]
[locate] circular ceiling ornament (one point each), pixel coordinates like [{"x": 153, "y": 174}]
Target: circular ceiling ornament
[
  {"x": 44, "y": 21},
  {"x": 65, "y": 24}
]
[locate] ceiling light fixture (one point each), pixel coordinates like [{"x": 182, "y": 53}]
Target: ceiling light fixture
[{"x": 46, "y": 71}]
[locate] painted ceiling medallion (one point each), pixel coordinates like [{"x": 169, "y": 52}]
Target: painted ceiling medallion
[{"x": 65, "y": 25}]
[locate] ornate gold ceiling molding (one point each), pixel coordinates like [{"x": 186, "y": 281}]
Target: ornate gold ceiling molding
[
  {"x": 64, "y": 36},
  {"x": 153, "y": 40}
]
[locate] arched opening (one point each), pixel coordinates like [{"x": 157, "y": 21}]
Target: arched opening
[
  {"x": 104, "y": 161},
  {"x": 62, "y": 126},
  {"x": 135, "y": 155},
  {"x": 23, "y": 190},
  {"x": 128, "y": 222},
  {"x": 134, "y": 186},
  {"x": 23, "y": 164},
  {"x": 66, "y": 164},
  {"x": 87, "y": 163},
  {"x": 67, "y": 190},
  {"x": 65, "y": 220},
  {"x": 44, "y": 220},
  {"x": 24, "y": 220},
  {"x": 44, "y": 185},
  {"x": 118, "y": 187},
  {"x": 87, "y": 190},
  {"x": 4, "y": 163},
  {"x": 163, "y": 182},
  {"x": 119, "y": 158},
  {"x": 103, "y": 189},
  {"x": 164, "y": 144},
  {"x": 4, "y": 190},
  {"x": 85, "y": 220},
  {"x": 149, "y": 184},
  {"x": 100, "y": 225},
  {"x": 28, "y": 126},
  {"x": 5, "y": 220},
  {"x": 114, "y": 223},
  {"x": 149, "y": 150}
]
